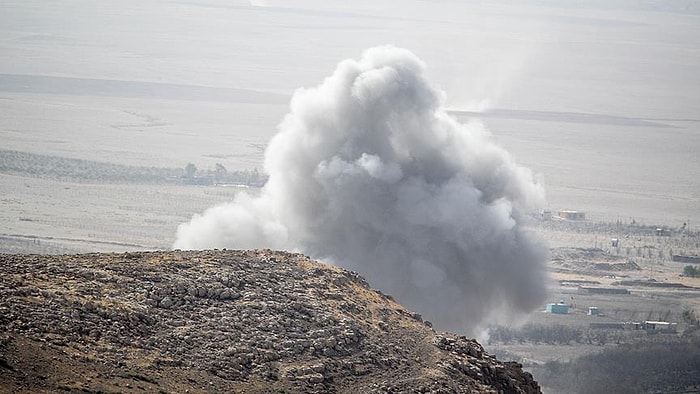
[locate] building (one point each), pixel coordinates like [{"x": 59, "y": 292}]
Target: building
[
  {"x": 653, "y": 327},
  {"x": 593, "y": 311},
  {"x": 662, "y": 232},
  {"x": 660, "y": 326},
  {"x": 571, "y": 215},
  {"x": 685, "y": 259},
  {"x": 545, "y": 215},
  {"x": 559, "y": 308}
]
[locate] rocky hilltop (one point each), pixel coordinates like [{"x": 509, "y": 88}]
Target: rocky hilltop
[{"x": 223, "y": 321}]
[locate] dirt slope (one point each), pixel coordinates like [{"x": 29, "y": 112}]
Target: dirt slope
[{"x": 222, "y": 321}]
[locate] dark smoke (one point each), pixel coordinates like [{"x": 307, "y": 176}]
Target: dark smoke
[{"x": 369, "y": 172}]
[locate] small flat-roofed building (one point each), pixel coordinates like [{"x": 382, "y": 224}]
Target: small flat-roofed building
[
  {"x": 659, "y": 326},
  {"x": 571, "y": 215},
  {"x": 558, "y": 308},
  {"x": 545, "y": 215}
]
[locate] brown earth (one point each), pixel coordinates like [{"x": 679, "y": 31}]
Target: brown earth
[
  {"x": 590, "y": 261},
  {"x": 223, "y": 321}
]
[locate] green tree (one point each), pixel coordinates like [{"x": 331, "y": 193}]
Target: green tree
[
  {"x": 691, "y": 271},
  {"x": 190, "y": 170},
  {"x": 220, "y": 172},
  {"x": 690, "y": 317}
]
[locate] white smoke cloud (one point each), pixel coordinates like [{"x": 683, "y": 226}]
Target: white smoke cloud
[{"x": 369, "y": 172}]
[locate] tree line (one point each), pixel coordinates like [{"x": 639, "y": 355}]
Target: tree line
[
  {"x": 657, "y": 364},
  {"x": 89, "y": 171}
]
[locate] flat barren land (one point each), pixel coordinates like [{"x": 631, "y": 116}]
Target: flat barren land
[{"x": 634, "y": 280}]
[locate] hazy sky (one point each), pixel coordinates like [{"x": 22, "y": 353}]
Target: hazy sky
[{"x": 165, "y": 82}]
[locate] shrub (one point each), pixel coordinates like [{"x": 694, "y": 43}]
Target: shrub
[{"x": 691, "y": 271}]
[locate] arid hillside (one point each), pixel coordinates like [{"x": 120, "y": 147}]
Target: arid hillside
[{"x": 223, "y": 321}]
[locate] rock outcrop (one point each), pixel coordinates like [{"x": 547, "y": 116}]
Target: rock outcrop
[{"x": 223, "y": 321}]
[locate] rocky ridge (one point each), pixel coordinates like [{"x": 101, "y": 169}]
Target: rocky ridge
[{"x": 223, "y": 321}]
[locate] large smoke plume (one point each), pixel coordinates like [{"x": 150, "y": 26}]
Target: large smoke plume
[{"x": 369, "y": 172}]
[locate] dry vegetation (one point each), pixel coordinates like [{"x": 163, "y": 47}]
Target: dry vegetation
[{"x": 222, "y": 321}]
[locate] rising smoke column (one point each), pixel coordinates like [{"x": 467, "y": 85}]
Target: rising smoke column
[{"x": 369, "y": 172}]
